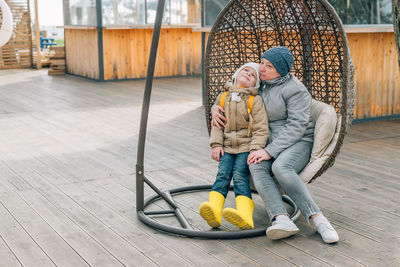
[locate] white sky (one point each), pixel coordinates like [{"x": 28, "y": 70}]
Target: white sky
[{"x": 50, "y": 12}]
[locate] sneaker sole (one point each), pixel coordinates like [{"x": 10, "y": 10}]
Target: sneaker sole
[
  {"x": 208, "y": 215},
  {"x": 275, "y": 234},
  {"x": 330, "y": 241},
  {"x": 237, "y": 220}
]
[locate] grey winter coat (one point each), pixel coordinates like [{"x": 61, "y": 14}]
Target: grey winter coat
[{"x": 288, "y": 103}]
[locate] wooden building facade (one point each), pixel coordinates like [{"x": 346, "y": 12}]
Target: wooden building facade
[
  {"x": 17, "y": 53},
  {"x": 119, "y": 50},
  {"x": 126, "y": 51}
]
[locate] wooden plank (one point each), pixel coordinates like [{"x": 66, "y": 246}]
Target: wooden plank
[
  {"x": 55, "y": 247},
  {"x": 376, "y": 91},
  {"x": 359, "y": 247},
  {"x": 191, "y": 253},
  {"x": 20, "y": 242},
  {"x": 12, "y": 178},
  {"x": 360, "y": 214},
  {"x": 175, "y": 56},
  {"x": 102, "y": 234},
  {"x": 132, "y": 237},
  {"x": 141, "y": 238},
  {"x": 88, "y": 248},
  {"x": 82, "y": 52},
  {"x": 106, "y": 237},
  {"x": 7, "y": 256}
]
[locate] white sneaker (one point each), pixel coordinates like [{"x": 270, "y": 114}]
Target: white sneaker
[
  {"x": 282, "y": 229},
  {"x": 328, "y": 234}
]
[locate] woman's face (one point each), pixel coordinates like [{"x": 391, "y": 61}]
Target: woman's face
[
  {"x": 267, "y": 70},
  {"x": 246, "y": 78}
]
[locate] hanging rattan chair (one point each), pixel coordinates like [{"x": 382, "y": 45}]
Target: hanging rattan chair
[
  {"x": 244, "y": 29},
  {"x": 310, "y": 29}
]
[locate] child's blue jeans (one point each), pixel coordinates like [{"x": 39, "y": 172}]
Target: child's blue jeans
[{"x": 233, "y": 165}]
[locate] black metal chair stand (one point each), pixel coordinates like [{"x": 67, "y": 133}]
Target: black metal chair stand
[
  {"x": 141, "y": 204},
  {"x": 187, "y": 229}
]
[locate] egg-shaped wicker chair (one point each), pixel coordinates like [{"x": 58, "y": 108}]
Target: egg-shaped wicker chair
[
  {"x": 244, "y": 29},
  {"x": 310, "y": 29}
]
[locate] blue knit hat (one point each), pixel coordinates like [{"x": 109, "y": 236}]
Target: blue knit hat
[{"x": 281, "y": 58}]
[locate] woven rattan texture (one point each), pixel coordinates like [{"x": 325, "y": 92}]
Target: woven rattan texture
[{"x": 310, "y": 29}]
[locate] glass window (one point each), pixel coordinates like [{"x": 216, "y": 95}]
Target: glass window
[
  {"x": 123, "y": 12},
  {"x": 178, "y": 12},
  {"x": 131, "y": 12},
  {"x": 364, "y": 11},
  {"x": 211, "y": 10},
  {"x": 152, "y": 10},
  {"x": 350, "y": 11},
  {"x": 80, "y": 12}
]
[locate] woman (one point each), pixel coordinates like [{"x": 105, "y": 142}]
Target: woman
[{"x": 289, "y": 146}]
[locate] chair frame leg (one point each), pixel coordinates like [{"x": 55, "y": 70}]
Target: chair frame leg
[{"x": 148, "y": 217}]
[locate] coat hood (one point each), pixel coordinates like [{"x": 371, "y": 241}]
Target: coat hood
[{"x": 249, "y": 91}]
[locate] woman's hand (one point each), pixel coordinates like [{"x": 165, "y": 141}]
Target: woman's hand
[
  {"x": 258, "y": 156},
  {"x": 215, "y": 152},
  {"x": 218, "y": 119}
]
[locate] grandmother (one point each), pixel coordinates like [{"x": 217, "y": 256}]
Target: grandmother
[{"x": 287, "y": 102}]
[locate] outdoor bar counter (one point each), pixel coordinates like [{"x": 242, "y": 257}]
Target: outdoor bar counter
[{"x": 126, "y": 50}]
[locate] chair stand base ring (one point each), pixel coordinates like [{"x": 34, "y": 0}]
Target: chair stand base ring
[{"x": 212, "y": 234}]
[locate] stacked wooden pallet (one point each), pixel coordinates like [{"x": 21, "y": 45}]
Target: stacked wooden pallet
[{"x": 57, "y": 60}]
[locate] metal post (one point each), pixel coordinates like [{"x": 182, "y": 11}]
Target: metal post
[
  {"x": 203, "y": 51},
  {"x": 145, "y": 11},
  {"x": 99, "y": 16},
  {"x": 145, "y": 107},
  {"x": 203, "y": 78}
]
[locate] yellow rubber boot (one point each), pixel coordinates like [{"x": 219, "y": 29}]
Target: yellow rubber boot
[
  {"x": 211, "y": 210},
  {"x": 242, "y": 217}
]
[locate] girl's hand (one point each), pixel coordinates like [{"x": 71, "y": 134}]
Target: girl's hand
[
  {"x": 258, "y": 156},
  {"x": 218, "y": 119},
  {"x": 215, "y": 152}
]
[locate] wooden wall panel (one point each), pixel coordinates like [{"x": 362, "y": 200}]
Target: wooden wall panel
[
  {"x": 377, "y": 74},
  {"x": 17, "y": 53},
  {"x": 126, "y": 53},
  {"x": 82, "y": 52}
]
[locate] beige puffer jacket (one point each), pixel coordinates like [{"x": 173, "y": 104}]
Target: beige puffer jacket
[{"x": 243, "y": 132}]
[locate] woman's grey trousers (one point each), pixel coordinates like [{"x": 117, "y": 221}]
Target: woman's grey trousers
[{"x": 285, "y": 168}]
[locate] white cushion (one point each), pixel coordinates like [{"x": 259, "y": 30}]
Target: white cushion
[{"x": 326, "y": 133}]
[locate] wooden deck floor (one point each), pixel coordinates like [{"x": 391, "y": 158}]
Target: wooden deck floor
[{"x": 67, "y": 189}]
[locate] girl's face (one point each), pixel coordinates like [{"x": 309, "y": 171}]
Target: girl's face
[
  {"x": 246, "y": 78},
  {"x": 267, "y": 70}
]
